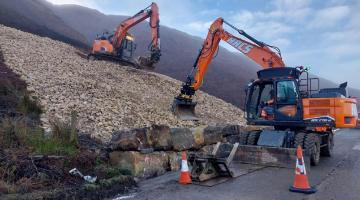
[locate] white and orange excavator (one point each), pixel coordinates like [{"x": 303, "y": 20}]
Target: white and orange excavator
[
  {"x": 120, "y": 46},
  {"x": 282, "y": 98}
]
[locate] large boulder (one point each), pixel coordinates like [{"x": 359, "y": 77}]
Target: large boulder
[
  {"x": 129, "y": 140},
  {"x": 198, "y": 134},
  {"x": 232, "y": 139},
  {"x": 141, "y": 165},
  {"x": 182, "y": 139},
  {"x": 233, "y": 130},
  {"x": 159, "y": 137},
  {"x": 174, "y": 161},
  {"x": 213, "y": 134}
]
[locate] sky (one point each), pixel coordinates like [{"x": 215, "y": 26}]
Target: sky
[{"x": 322, "y": 35}]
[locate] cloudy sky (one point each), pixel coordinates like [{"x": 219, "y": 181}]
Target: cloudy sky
[{"x": 323, "y": 35}]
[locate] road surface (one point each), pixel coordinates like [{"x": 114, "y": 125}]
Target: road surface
[{"x": 337, "y": 177}]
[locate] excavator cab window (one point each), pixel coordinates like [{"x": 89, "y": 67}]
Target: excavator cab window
[
  {"x": 286, "y": 92},
  {"x": 127, "y": 50},
  {"x": 287, "y": 101},
  {"x": 261, "y": 101}
]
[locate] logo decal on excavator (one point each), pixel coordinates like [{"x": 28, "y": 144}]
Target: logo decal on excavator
[
  {"x": 241, "y": 46},
  {"x": 212, "y": 28}
]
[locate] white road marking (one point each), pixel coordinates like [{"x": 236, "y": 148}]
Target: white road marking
[{"x": 125, "y": 197}]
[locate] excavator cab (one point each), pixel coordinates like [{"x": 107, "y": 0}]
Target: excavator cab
[
  {"x": 127, "y": 48},
  {"x": 274, "y": 98},
  {"x": 103, "y": 48}
]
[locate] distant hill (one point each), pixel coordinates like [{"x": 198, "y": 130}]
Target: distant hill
[
  {"x": 35, "y": 17},
  {"x": 227, "y": 75}
]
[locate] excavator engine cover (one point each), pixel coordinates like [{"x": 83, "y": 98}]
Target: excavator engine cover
[{"x": 184, "y": 110}]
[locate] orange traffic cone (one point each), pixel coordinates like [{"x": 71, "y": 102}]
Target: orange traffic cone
[
  {"x": 301, "y": 182},
  {"x": 185, "y": 174}
]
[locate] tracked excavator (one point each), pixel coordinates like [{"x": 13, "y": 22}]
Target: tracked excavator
[
  {"x": 284, "y": 99},
  {"x": 120, "y": 45}
]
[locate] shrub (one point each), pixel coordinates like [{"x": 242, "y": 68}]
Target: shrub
[
  {"x": 14, "y": 132},
  {"x": 30, "y": 107},
  {"x": 66, "y": 132}
]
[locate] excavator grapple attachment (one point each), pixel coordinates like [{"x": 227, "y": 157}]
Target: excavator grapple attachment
[
  {"x": 219, "y": 166},
  {"x": 232, "y": 160},
  {"x": 184, "y": 110}
]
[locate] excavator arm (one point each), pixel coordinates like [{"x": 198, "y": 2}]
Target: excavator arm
[
  {"x": 259, "y": 52},
  {"x": 151, "y": 12}
]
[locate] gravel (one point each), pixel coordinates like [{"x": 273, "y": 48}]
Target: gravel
[{"x": 107, "y": 96}]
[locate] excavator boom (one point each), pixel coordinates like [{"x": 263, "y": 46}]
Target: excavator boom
[{"x": 259, "y": 52}]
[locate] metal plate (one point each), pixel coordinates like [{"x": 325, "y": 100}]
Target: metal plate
[
  {"x": 272, "y": 138},
  {"x": 238, "y": 169}
]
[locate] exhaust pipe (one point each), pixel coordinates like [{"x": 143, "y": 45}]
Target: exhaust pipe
[{"x": 184, "y": 110}]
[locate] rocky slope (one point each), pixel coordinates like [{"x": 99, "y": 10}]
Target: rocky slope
[{"x": 107, "y": 96}]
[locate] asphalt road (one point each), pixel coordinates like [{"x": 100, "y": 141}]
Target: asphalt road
[{"x": 337, "y": 177}]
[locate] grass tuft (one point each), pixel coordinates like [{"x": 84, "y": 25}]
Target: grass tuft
[{"x": 14, "y": 132}]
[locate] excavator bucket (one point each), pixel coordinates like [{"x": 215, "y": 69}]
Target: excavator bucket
[
  {"x": 145, "y": 62},
  {"x": 184, "y": 110}
]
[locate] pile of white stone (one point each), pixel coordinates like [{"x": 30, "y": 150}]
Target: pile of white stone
[{"x": 107, "y": 96}]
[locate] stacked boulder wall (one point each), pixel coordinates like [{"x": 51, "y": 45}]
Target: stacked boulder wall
[
  {"x": 164, "y": 138},
  {"x": 106, "y": 95},
  {"x": 165, "y": 144}
]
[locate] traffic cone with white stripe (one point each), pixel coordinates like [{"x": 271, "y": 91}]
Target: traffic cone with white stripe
[
  {"x": 185, "y": 174},
  {"x": 301, "y": 182}
]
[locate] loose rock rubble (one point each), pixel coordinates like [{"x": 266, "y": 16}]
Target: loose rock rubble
[{"x": 107, "y": 96}]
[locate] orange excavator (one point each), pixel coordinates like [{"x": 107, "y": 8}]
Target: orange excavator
[
  {"x": 120, "y": 45},
  {"x": 282, "y": 98}
]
